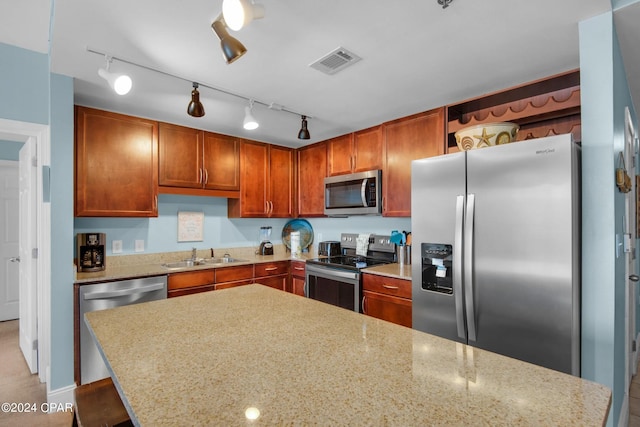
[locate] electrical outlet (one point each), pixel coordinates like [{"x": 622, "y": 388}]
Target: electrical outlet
[
  {"x": 139, "y": 246},
  {"x": 116, "y": 246}
]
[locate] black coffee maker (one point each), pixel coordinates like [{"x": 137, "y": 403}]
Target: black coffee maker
[
  {"x": 91, "y": 251},
  {"x": 266, "y": 247}
]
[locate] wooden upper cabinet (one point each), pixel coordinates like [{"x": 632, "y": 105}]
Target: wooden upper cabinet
[
  {"x": 410, "y": 138},
  {"x": 180, "y": 156},
  {"x": 221, "y": 162},
  {"x": 194, "y": 159},
  {"x": 357, "y": 152},
  {"x": 116, "y": 164},
  {"x": 266, "y": 182},
  {"x": 312, "y": 169}
]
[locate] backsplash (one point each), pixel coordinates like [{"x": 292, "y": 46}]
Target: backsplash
[{"x": 160, "y": 235}]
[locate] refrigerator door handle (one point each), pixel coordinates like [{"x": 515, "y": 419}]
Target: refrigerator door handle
[
  {"x": 457, "y": 268},
  {"x": 468, "y": 267}
]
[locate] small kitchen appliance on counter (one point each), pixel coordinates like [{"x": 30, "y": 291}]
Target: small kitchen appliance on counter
[
  {"x": 329, "y": 248},
  {"x": 266, "y": 247},
  {"x": 91, "y": 251}
]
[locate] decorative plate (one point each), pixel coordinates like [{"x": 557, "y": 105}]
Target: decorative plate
[{"x": 301, "y": 225}]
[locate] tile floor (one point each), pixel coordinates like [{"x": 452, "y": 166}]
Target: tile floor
[{"x": 18, "y": 385}]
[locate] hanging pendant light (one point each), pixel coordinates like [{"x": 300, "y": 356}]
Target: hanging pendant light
[
  {"x": 238, "y": 13},
  {"x": 120, "y": 83},
  {"x": 232, "y": 49},
  {"x": 195, "y": 107},
  {"x": 249, "y": 123},
  {"x": 304, "y": 132}
]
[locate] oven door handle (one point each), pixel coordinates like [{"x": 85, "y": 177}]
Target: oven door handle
[{"x": 331, "y": 273}]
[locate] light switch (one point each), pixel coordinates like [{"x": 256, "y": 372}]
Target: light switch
[
  {"x": 116, "y": 246},
  {"x": 139, "y": 246}
]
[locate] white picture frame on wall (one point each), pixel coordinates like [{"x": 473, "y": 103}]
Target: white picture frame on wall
[{"x": 190, "y": 226}]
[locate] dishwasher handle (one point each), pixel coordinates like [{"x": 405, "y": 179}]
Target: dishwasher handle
[{"x": 124, "y": 292}]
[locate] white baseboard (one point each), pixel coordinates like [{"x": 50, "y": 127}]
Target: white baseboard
[{"x": 61, "y": 399}]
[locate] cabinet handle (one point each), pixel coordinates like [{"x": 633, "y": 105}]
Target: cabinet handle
[
  {"x": 266, "y": 207},
  {"x": 270, "y": 268},
  {"x": 206, "y": 176},
  {"x": 389, "y": 286},
  {"x": 200, "y": 176},
  {"x": 364, "y": 310},
  {"x": 270, "y": 207},
  {"x": 155, "y": 202},
  {"x": 299, "y": 268}
]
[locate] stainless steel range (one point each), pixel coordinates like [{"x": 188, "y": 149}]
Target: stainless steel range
[{"x": 337, "y": 279}]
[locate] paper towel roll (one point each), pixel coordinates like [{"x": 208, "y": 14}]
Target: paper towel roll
[{"x": 294, "y": 239}]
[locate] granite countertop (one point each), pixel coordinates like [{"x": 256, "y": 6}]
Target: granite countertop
[
  {"x": 391, "y": 270},
  {"x": 296, "y": 361},
  {"x": 131, "y": 266}
]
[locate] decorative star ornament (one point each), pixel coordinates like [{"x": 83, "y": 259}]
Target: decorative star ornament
[{"x": 484, "y": 138}]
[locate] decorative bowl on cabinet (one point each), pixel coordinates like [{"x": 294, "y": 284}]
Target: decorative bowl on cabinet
[{"x": 486, "y": 135}]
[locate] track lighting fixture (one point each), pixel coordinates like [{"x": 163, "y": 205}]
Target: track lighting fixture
[
  {"x": 304, "y": 132},
  {"x": 232, "y": 49},
  {"x": 195, "y": 108},
  {"x": 120, "y": 83},
  {"x": 238, "y": 13},
  {"x": 249, "y": 122}
]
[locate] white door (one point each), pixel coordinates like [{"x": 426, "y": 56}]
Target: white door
[
  {"x": 9, "y": 279},
  {"x": 27, "y": 270},
  {"x": 630, "y": 224}
]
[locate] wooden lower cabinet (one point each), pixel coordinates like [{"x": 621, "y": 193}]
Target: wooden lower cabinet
[
  {"x": 190, "y": 282},
  {"x": 387, "y": 298},
  {"x": 230, "y": 277},
  {"x": 298, "y": 277},
  {"x": 273, "y": 274}
]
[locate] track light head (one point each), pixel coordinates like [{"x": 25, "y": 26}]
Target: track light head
[
  {"x": 238, "y": 13},
  {"x": 304, "y": 132},
  {"x": 249, "y": 123},
  {"x": 232, "y": 49},
  {"x": 195, "y": 107},
  {"x": 120, "y": 83}
]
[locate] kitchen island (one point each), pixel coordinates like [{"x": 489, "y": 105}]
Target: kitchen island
[{"x": 255, "y": 355}]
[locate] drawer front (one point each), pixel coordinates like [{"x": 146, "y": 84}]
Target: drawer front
[
  {"x": 228, "y": 285},
  {"x": 190, "y": 279},
  {"x": 232, "y": 274},
  {"x": 272, "y": 268},
  {"x": 298, "y": 268},
  {"x": 387, "y": 285},
  {"x": 189, "y": 291}
]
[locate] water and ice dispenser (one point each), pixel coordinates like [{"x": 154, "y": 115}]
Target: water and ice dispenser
[{"x": 437, "y": 267}]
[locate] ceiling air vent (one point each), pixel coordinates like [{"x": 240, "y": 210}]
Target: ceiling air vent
[{"x": 335, "y": 61}]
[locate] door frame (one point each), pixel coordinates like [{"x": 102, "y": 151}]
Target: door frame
[{"x": 38, "y": 135}]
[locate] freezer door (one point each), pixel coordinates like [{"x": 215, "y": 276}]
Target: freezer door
[
  {"x": 524, "y": 287},
  {"x": 437, "y": 203}
]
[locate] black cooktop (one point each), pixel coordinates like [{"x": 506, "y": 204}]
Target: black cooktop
[{"x": 352, "y": 262}]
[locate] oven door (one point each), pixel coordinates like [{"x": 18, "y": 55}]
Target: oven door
[{"x": 334, "y": 286}]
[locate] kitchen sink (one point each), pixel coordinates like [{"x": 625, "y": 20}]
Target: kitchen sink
[{"x": 199, "y": 262}]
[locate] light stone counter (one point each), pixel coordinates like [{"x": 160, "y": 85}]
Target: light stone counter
[
  {"x": 142, "y": 265},
  {"x": 208, "y": 358},
  {"x": 391, "y": 270}
]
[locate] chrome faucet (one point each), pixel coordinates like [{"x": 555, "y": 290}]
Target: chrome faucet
[{"x": 193, "y": 254}]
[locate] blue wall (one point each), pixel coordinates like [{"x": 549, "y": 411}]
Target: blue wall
[
  {"x": 10, "y": 150},
  {"x": 605, "y": 94},
  {"x": 160, "y": 234}
]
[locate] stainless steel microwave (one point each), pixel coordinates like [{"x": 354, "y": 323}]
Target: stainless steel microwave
[{"x": 354, "y": 194}]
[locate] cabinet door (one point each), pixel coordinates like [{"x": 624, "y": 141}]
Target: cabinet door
[
  {"x": 254, "y": 174},
  {"x": 340, "y": 155},
  {"x": 385, "y": 307},
  {"x": 180, "y": 156},
  {"x": 297, "y": 286},
  {"x": 312, "y": 169},
  {"x": 281, "y": 182},
  {"x": 407, "y": 139},
  {"x": 116, "y": 169},
  {"x": 221, "y": 162},
  {"x": 367, "y": 149},
  {"x": 276, "y": 282}
]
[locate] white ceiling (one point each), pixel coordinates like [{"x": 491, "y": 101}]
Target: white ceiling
[{"x": 416, "y": 56}]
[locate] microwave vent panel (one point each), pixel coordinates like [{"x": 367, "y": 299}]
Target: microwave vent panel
[{"x": 335, "y": 61}]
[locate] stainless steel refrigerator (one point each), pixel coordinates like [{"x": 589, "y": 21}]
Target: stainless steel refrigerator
[{"x": 496, "y": 249}]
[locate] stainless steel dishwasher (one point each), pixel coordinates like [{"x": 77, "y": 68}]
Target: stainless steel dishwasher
[{"x": 101, "y": 296}]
